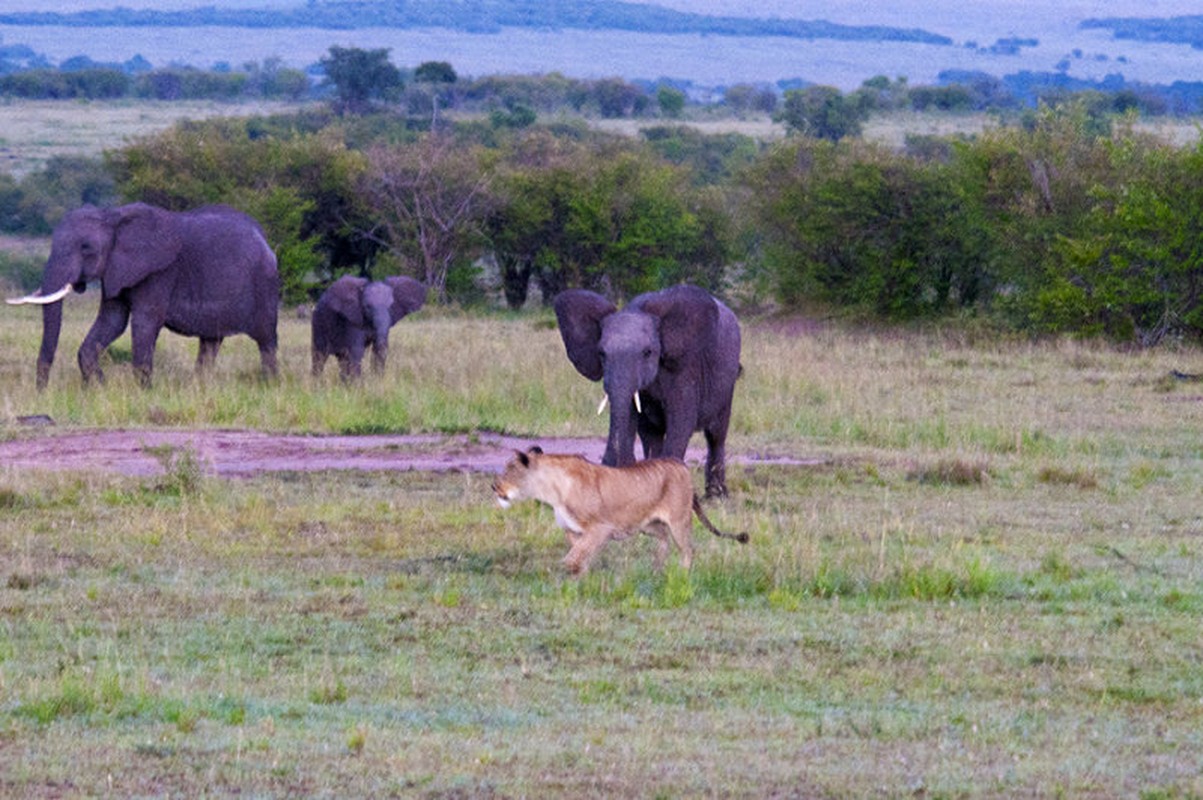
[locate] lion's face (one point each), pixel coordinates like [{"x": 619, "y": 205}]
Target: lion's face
[{"x": 510, "y": 486}]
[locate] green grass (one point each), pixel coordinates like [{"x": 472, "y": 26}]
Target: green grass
[{"x": 993, "y": 586}]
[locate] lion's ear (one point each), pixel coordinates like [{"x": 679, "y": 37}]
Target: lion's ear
[
  {"x": 523, "y": 458},
  {"x": 535, "y": 450}
]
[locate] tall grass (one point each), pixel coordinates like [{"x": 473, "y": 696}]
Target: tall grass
[
  {"x": 989, "y": 587},
  {"x": 917, "y": 393}
]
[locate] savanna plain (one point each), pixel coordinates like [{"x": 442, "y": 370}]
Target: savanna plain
[{"x": 991, "y": 585}]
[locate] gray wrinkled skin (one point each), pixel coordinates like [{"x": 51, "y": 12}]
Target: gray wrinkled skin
[{"x": 668, "y": 363}]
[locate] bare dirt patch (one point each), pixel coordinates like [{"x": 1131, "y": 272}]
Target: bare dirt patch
[{"x": 240, "y": 453}]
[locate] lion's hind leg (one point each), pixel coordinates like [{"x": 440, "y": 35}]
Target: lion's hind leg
[
  {"x": 678, "y": 533},
  {"x": 684, "y": 541},
  {"x": 660, "y": 532}
]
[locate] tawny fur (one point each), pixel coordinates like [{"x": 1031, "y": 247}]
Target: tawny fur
[{"x": 594, "y": 504}]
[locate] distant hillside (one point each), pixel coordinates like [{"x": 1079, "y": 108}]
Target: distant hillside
[
  {"x": 479, "y": 17},
  {"x": 1175, "y": 30}
]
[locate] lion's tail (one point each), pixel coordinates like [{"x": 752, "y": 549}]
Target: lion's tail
[{"x": 697, "y": 509}]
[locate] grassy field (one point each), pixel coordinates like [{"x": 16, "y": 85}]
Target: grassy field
[
  {"x": 993, "y": 587},
  {"x": 35, "y": 131}
]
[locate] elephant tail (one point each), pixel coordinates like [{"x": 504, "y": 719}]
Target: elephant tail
[{"x": 742, "y": 538}]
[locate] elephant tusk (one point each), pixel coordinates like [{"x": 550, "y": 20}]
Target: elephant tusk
[
  {"x": 38, "y": 299},
  {"x": 602, "y": 405},
  {"x": 638, "y": 405}
]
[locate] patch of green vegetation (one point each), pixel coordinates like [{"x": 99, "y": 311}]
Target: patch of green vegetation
[{"x": 347, "y": 632}]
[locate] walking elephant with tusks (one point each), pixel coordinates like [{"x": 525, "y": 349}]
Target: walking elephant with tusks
[
  {"x": 207, "y": 273},
  {"x": 668, "y": 363}
]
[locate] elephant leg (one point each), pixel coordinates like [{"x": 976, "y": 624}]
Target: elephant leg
[
  {"x": 352, "y": 360},
  {"x": 319, "y": 363},
  {"x": 268, "y": 367},
  {"x": 379, "y": 359},
  {"x": 144, "y": 333},
  {"x": 110, "y": 323},
  {"x": 651, "y": 436},
  {"x": 268, "y": 343},
  {"x": 679, "y": 428},
  {"x": 206, "y": 354},
  {"x": 349, "y": 368},
  {"x": 716, "y": 462}
]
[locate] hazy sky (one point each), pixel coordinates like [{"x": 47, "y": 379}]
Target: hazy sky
[{"x": 898, "y": 12}]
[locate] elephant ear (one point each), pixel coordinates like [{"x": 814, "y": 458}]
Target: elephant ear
[
  {"x": 408, "y": 296},
  {"x": 580, "y": 314},
  {"x": 688, "y": 322},
  {"x": 345, "y": 298},
  {"x": 146, "y": 240}
]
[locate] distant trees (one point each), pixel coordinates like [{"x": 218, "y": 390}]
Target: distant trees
[
  {"x": 823, "y": 112},
  {"x": 744, "y": 98},
  {"x": 360, "y": 78},
  {"x": 1048, "y": 227},
  {"x": 1065, "y": 221},
  {"x": 269, "y": 80},
  {"x": 33, "y": 205},
  {"x": 671, "y": 101},
  {"x": 53, "y": 84}
]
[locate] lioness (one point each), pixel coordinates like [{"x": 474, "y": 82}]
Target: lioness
[{"x": 594, "y": 503}]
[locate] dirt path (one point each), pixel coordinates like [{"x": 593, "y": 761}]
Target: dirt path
[{"x": 236, "y": 453}]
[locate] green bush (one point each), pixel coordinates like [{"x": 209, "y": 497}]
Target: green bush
[{"x": 20, "y": 272}]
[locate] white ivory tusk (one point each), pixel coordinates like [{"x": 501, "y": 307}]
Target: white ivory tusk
[
  {"x": 41, "y": 300},
  {"x": 602, "y": 405},
  {"x": 638, "y": 405}
]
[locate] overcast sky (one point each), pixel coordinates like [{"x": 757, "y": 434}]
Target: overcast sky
[{"x": 836, "y": 10}]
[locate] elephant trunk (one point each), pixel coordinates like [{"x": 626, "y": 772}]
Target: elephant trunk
[
  {"x": 620, "y": 444},
  {"x": 52, "y": 324},
  {"x": 55, "y": 286},
  {"x": 380, "y": 325}
]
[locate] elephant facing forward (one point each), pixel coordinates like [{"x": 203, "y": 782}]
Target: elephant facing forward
[
  {"x": 353, "y": 314},
  {"x": 207, "y": 273},
  {"x": 668, "y": 363}
]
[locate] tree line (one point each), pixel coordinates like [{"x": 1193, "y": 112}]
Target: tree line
[
  {"x": 347, "y": 72},
  {"x": 1064, "y": 222},
  {"x": 487, "y": 17}
]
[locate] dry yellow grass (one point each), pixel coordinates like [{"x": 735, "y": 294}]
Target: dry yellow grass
[{"x": 37, "y": 130}]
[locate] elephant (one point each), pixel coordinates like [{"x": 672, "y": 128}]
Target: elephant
[
  {"x": 353, "y": 313},
  {"x": 668, "y": 363},
  {"x": 207, "y": 273}
]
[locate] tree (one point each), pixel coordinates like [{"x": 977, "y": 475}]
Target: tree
[
  {"x": 823, "y": 112},
  {"x": 864, "y": 227},
  {"x": 435, "y": 72},
  {"x": 360, "y": 77},
  {"x": 671, "y": 101},
  {"x": 1135, "y": 271},
  {"x": 744, "y": 98},
  {"x": 430, "y": 201},
  {"x": 431, "y": 76}
]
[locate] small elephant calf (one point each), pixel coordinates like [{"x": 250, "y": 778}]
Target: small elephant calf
[{"x": 353, "y": 313}]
